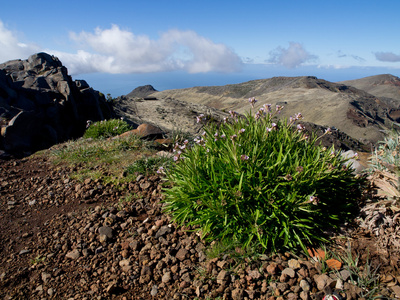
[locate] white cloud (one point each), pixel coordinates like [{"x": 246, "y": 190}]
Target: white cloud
[
  {"x": 11, "y": 48},
  {"x": 115, "y": 50},
  {"x": 387, "y": 56},
  {"x": 292, "y": 57}
]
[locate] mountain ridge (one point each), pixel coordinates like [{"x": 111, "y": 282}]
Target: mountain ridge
[{"x": 354, "y": 111}]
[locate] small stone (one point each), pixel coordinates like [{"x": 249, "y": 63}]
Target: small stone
[
  {"x": 125, "y": 253},
  {"x": 166, "y": 277},
  {"x": 289, "y": 271},
  {"x": 50, "y": 292},
  {"x": 272, "y": 268},
  {"x": 174, "y": 269},
  {"x": 304, "y": 295},
  {"x": 124, "y": 262},
  {"x": 184, "y": 284},
  {"x": 103, "y": 238},
  {"x": 24, "y": 251},
  {"x": 294, "y": 264},
  {"x": 396, "y": 290},
  {"x": 154, "y": 290},
  {"x": 181, "y": 255},
  {"x": 134, "y": 245},
  {"x": 323, "y": 281},
  {"x": 186, "y": 277},
  {"x": 305, "y": 286},
  {"x": 111, "y": 287},
  {"x": 292, "y": 296},
  {"x": 255, "y": 274},
  {"x": 162, "y": 231},
  {"x": 74, "y": 254},
  {"x": 344, "y": 275},
  {"x": 107, "y": 231},
  {"x": 222, "y": 276},
  {"x": 339, "y": 284},
  {"x": 39, "y": 288},
  {"x": 237, "y": 294},
  {"x": 45, "y": 276}
]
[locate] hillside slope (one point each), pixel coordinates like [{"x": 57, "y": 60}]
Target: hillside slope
[
  {"x": 353, "y": 111},
  {"x": 384, "y": 85}
]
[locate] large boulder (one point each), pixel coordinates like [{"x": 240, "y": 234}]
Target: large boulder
[{"x": 41, "y": 105}]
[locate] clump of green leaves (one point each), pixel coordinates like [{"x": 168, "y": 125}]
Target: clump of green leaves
[
  {"x": 385, "y": 165},
  {"x": 387, "y": 155},
  {"x": 106, "y": 128},
  {"x": 257, "y": 180}
]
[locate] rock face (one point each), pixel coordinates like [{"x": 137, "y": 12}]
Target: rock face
[{"x": 41, "y": 105}]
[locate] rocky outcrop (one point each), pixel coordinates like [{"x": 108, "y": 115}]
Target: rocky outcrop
[
  {"x": 41, "y": 105},
  {"x": 170, "y": 115}
]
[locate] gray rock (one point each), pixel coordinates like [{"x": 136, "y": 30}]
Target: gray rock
[
  {"x": 107, "y": 231},
  {"x": 74, "y": 254},
  {"x": 181, "y": 255},
  {"x": 24, "y": 251},
  {"x": 305, "y": 286},
  {"x": 166, "y": 277},
  {"x": 323, "y": 281},
  {"x": 344, "y": 275},
  {"x": 294, "y": 264},
  {"x": 222, "y": 277},
  {"x": 154, "y": 290},
  {"x": 290, "y": 272},
  {"x": 162, "y": 231},
  {"x": 352, "y": 161}
]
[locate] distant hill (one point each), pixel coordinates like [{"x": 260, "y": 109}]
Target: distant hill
[
  {"x": 384, "y": 85},
  {"x": 141, "y": 91},
  {"x": 356, "y": 112}
]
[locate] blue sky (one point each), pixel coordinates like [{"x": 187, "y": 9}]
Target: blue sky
[{"x": 119, "y": 45}]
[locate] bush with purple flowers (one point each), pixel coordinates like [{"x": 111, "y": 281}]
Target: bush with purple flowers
[{"x": 261, "y": 181}]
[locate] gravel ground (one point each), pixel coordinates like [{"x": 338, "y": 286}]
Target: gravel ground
[{"x": 64, "y": 239}]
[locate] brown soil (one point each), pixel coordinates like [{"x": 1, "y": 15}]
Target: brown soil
[{"x": 50, "y": 246}]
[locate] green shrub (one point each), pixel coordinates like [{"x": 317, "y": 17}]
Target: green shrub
[
  {"x": 262, "y": 183},
  {"x": 106, "y": 129},
  {"x": 387, "y": 155}
]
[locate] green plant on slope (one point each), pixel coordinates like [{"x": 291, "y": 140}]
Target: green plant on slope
[
  {"x": 255, "y": 181},
  {"x": 149, "y": 165},
  {"x": 385, "y": 165},
  {"x": 106, "y": 128}
]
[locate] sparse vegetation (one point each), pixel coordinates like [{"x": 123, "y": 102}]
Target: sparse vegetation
[
  {"x": 105, "y": 159},
  {"x": 385, "y": 165},
  {"x": 106, "y": 128}
]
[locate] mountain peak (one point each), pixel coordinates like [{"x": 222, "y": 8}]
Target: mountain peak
[{"x": 141, "y": 91}]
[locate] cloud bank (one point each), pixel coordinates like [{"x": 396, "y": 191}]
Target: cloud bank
[
  {"x": 120, "y": 51},
  {"x": 387, "y": 56},
  {"x": 292, "y": 57},
  {"x": 115, "y": 51},
  {"x": 11, "y": 48}
]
